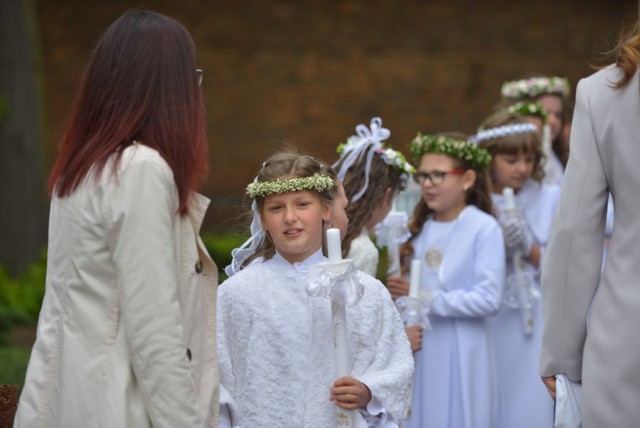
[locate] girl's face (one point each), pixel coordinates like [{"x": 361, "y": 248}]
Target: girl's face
[
  {"x": 511, "y": 170},
  {"x": 555, "y": 111},
  {"x": 294, "y": 222},
  {"x": 448, "y": 198}
]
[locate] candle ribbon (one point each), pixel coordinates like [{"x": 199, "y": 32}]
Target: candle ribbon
[
  {"x": 415, "y": 311},
  {"x": 393, "y": 230},
  {"x": 340, "y": 287}
]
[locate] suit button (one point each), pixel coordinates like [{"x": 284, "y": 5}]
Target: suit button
[
  {"x": 199, "y": 266},
  {"x": 189, "y": 354}
]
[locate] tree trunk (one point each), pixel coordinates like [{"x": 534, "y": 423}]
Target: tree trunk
[{"x": 23, "y": 207}]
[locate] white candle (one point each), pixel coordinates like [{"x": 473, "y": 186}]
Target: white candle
[
  {"x": 342, "y": 347},
  {"x": 509, "y": 200},
  {"x": 414, "y": 283},
  {"x": 343, "y": 417},
  {"x": 334, "y": 247},
  {"x": 546, "y": 140}
]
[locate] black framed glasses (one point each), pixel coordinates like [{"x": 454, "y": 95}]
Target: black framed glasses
[
  {"x": 199, "y": 76},
  {"x": 436, "y": 177}
]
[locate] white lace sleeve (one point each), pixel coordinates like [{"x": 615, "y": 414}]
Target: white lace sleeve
[{"x": 364, "y": 254}]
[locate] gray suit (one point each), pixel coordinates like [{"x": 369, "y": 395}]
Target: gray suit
[{"x": 605, "y": 156}]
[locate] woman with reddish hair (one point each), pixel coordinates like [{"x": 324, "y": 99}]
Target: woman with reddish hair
[{"x": 126, "y": 335}]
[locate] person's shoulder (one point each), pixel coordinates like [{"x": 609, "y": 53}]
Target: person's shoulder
[
  {"x": 138, "y": 153},
  {"x": 244, "y": 278},
  {"x": 604, "y": 78},
  {"x": 474, "y": 215}
]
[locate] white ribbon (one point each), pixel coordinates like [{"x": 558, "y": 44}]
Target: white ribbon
[
  {"x": 246, "y": 250},
  {"x": 358, "y": 145},
  {"x": 393, "y": 230},
  {"x": 415, "y": 312},
  {"x": 340, "y": 287}
]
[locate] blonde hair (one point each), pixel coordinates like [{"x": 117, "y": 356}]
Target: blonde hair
[{"x": 284, "y": 165}]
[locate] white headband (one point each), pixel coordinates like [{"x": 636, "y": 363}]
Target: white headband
[{"x": 504, "y": 131}]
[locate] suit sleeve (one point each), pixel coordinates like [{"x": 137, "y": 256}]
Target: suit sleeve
[{"x": 573, "y": 259}]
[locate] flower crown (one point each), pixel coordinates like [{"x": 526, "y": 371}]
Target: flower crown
[
  {"x": 517, "y": 89},
  {"x": 397, "y": 160},
  {"x": 316, "y": 182},
  {"x": 504, "y": 131},
  {"x": 525, "y": 108},
  {"x": 391, "y": 157},
  {"x": 456, "y": 148}
]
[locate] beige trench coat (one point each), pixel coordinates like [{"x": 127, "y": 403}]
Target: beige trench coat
[
  {"x": 126, "y": 334},
  {"x": 605, "y": 352}
]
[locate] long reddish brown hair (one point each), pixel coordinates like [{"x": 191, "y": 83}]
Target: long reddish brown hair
[
  {"x": 140, "y": 85},
  {"x": 628, "y": 54}
]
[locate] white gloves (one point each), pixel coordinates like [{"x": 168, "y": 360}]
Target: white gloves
[{"x": 516, "y": 236}]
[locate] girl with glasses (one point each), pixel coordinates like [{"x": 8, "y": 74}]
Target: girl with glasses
[{"x": 460, "y": 246}]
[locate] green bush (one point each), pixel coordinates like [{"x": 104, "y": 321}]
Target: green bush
[
  {"x": 219, "y": 248},
  {"x": 23, "y": 294},
  {"x": 14, "y": 364}
]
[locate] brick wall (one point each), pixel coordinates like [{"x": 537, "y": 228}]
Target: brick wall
[{"x": 307, "y": 72}]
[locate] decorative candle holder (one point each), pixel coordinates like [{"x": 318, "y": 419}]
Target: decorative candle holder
[
  {"x": 519, "y": 283},
  {"x": 338, "y": 281}
]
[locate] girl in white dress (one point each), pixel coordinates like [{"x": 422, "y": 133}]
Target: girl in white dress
[
  {"x": 275, "y": 338},
  {"x": 461, "y": 248},
  {"x": 372, "y": 175},
  {"x": 516, "y": 163}
]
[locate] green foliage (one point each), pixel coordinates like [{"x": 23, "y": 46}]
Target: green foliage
[
  {"x": 21, "y": 296},
  {"x": 219, "y": 248},
  {"x": 383, "y": 264},
  {"x": 14, "y": 364}
]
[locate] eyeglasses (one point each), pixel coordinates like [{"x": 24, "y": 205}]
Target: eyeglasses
[
  {"x": 436, "y": 177},
  {"x": 199, "y": 76}
]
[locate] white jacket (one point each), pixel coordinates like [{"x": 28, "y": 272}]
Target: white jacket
[{"x": 126, "y": 334}]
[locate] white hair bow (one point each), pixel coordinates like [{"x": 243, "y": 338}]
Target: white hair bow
[{"x": 357, "y": 145}]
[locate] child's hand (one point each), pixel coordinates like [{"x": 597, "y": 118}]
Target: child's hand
[
  {"x": 350, "y": 393},
  {"x": 517, "y": 236},
  {"x": 414, "y": 334},
  {"x": 397, "y": 286}
]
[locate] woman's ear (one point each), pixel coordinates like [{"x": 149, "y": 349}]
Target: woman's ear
[{"x": 469, "y": 179}]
